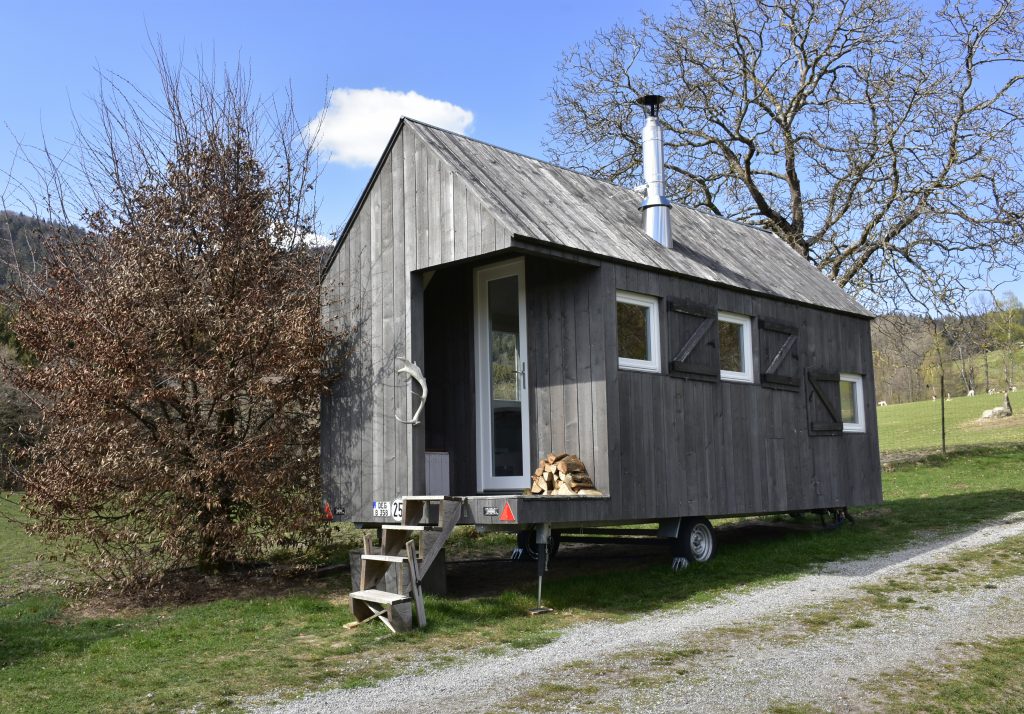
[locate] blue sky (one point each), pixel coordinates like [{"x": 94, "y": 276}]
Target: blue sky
[{"x": 494, "y": 61}]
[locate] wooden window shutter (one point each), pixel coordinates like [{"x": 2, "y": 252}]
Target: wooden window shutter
[
  {"x": 692, "y": 341},
  {"x": 823, "y": 411},
  {"x": 780, "y": 356}
]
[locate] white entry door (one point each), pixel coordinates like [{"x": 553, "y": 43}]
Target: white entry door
[{"x": 503, "y": 408}]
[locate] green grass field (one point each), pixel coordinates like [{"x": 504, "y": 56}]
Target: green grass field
[
  {"x": 62, "y": 656},
  {"x": 916, "y": 427}
]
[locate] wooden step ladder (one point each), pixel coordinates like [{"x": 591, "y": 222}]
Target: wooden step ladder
[{"x": 398, "y": 547}]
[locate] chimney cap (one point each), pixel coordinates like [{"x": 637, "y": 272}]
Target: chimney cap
[{"x": 651, "y": 103}]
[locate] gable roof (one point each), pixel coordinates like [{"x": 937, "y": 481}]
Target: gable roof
[{"x": 549, "y": 204}]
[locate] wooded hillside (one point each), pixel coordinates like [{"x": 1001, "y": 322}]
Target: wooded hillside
[
  {"x": 981, "y": 350},
  {"x": 21, "y": 243}
]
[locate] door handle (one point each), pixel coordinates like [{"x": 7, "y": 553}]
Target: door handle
[{"x": 522, "y": 376}]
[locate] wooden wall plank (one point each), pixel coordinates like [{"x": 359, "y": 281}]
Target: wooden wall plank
[
  {"x": 583, "y": 354},
  {"x": 569, "y": 318},
  {"x": 389, "y": 435},
  {"x": 381, "y": 486},
  {"x": 446, "y": 204},
  {"x": 556, "y": 374},
  {"x": 416, "y": 353},
  {"x": 422, "y": 206},
  {"x": 460, "y": 220},
  {"x": 599, "y": 313},
  {"x": 435, "y": 203},
  {"x": 399, "y": 297}
]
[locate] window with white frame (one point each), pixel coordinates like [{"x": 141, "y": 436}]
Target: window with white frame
[
  {"x": 734, "y": 347},
  {"x": 851, "y": 402},
  {"x": 637, "y": 326}
]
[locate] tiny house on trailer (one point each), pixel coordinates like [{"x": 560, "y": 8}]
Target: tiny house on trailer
[{"x": 697, "y": 366}]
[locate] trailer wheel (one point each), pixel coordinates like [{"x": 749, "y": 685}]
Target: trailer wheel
[
  {"x": 697, "y": 540},
  {"x": 526, "y": 545}
]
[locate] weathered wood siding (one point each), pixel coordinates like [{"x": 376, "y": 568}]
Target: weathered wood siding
[
  {"x": 416, "y": 213},
  {"x": 658, "y": 445},
  {"x": 566, "y": 332},
  {"x": 696, "y": 447}
]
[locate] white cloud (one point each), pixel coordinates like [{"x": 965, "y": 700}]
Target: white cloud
[
  {"x": 355, "y": 126},
  {"x": 317, "y": 240}
]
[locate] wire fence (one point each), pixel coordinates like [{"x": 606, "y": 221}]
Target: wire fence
[{"x": 939, "y": 425}]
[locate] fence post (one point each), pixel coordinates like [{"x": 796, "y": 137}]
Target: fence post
[{"x": 942, "y": 400}]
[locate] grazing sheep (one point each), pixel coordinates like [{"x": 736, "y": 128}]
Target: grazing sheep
[
  {"x": 882, "y": 403},
  {"x": 949, "y": 397},
  {"x": 1013, "y": 389},
  {"x": 934, "y": 397},
  {"x": 970, "y": 392},
  {"x": 996, "y": 413},
  {"x": 992, "y": 390}
]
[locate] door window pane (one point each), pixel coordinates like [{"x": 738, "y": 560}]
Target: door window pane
[
  {"x": 506, "y": 409},
  {"x": 503, "y": 305}
]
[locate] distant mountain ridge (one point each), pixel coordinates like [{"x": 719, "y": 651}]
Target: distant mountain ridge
[{"x": 21, "y": 243}]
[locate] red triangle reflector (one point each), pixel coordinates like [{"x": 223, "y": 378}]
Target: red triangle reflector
[{"x": 506, "y": 513}]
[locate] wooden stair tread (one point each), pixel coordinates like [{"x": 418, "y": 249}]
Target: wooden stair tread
[
  {"x": 384, "y": 558},
  {"x": 366, "y": 601},
  {"x": 381, "y": 597}
]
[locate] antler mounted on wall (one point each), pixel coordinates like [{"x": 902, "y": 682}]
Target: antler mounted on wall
[{"x": 412, "y": 371}]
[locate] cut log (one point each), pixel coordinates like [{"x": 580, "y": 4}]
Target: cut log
[
  {"x": 564, "y": 489},
  {"x": 589, "y": 492},
  {"x": 571, "y": 464},
  {"x": 552, "y": 458},
  {"x": 578, "y": 481},
  {"x": 536, "y": 487}
]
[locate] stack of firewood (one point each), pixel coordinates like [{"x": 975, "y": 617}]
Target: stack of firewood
[{"x": 562, "y": 475}]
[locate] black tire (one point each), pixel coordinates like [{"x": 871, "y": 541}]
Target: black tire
[
  {"x": 526, "y": 545},
  {"x": 697, "y": 542}
]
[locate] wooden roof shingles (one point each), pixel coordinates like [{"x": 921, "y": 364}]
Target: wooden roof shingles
[{"x": 550, "y": 204}]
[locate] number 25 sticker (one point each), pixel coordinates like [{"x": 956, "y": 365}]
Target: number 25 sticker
[{"x": 396, "y": 509}]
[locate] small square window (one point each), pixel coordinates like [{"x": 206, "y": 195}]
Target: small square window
[
  {"x": 637, "y": 325},
  {"x": 851, "y": 402},
  {"x": 734, "y": 349}
]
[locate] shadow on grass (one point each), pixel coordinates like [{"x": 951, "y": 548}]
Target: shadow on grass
[{"x": 31, "y": 626}]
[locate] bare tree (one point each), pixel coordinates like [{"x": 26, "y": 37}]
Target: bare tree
[
  {"x": 901, "y": 344},
  {"x": 177, "y": 345},
  {"x": 965, "y": 334},
  {"x": 1004, "y": 322},
  {"x": 881, "y": 144}
]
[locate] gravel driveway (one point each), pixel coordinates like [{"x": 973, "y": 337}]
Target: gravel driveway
[{"x": 823, "y": 670}]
